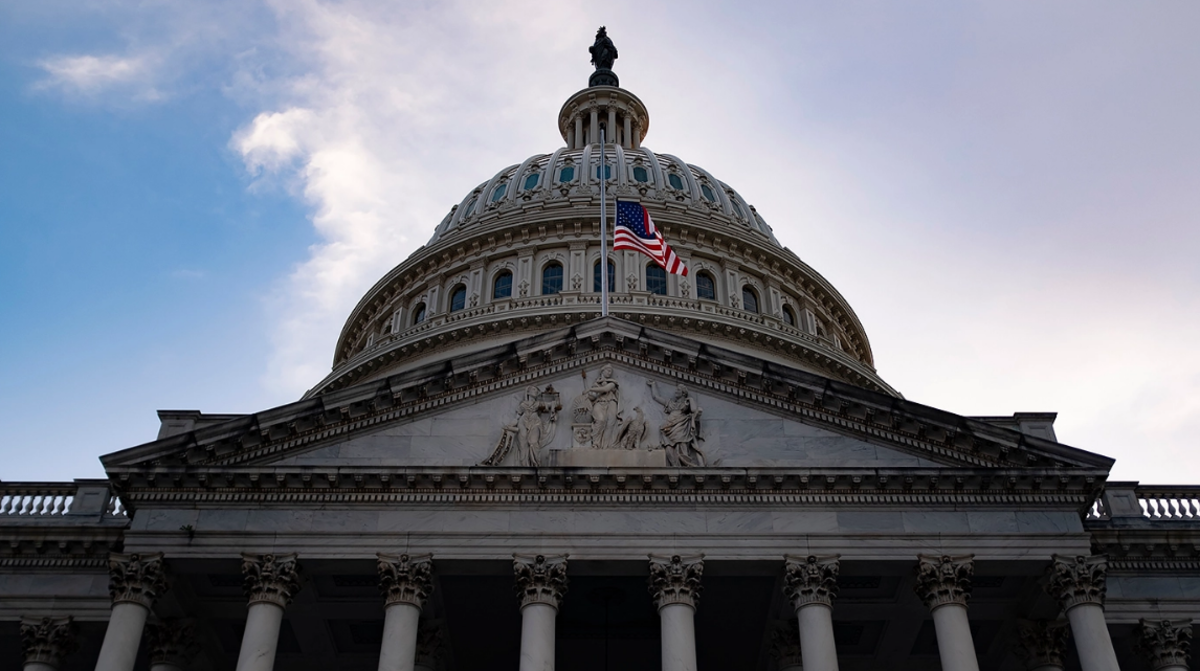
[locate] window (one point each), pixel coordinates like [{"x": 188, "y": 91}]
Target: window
[
  {"x": 737, "y": 209},
  {"x": 607, "y": 172},
  {"x": 788, "y": 317},
  {"x": 612, "y": 277},
  {"x": 706, "y": 287},
  {"x": 502, "y": 285},
  {"x": 499, "y": 192},
  {"x": 708, "y": 193},
  {"x": 749, "y": 299},
  {"x": 552, "y": 278},
  {"x": 656, "y": 279},
  {"x": 418, "y": 314},
  {"x": 640, "y": 174},
  {"x": 676, "y": 181},
  {"x": 567, "y": 174},
  {"x": 458, "y": 298},
  {"x": 470, "y": 208},
  {"x": 532, "y": 180}
]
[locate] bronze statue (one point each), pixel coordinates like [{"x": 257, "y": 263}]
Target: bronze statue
[{"x": 602, "y": 50}]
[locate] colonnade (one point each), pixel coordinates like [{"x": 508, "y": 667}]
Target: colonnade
[{"x": 271, "y": 581}]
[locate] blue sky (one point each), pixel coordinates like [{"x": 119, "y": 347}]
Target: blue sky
[{"x": 194, "y": 195}]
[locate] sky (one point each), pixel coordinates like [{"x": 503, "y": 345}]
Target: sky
[{"x": 193, "y": 196}]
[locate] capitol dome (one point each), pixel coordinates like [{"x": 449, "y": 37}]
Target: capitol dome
[{"x": 520, "y": 254}]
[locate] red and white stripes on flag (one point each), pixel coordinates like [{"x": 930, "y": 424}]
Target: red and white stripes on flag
[{"x": 636, "y": 231}]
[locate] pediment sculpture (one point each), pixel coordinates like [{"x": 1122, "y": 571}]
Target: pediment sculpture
[{"x": 534, "y": 428}]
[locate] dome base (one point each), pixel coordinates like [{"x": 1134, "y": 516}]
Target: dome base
[{"x": 603, "y": 77}]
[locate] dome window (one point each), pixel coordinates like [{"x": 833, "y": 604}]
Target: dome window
[
  {"x": 502, "y": 285},
  {"x": 552, "y": 279},
  {"x": 737, "y": 209},
  {"x": 749, "y": 299},
  {"x": 640, "y": 174},
  {"x": 418, "y": 314},
  {"x": 532, "y": 180},
  {"x": 612, "y": 277},
  {"x": 470, "y": 208},
  {"x": 567, "y": 174},
  {"x": 499, "y": 192},
  {"x": 708, "y": 193},
  {"x": 788, "y": 317},
  {"x": 706, "y": 287},
  {"x": 676, "y": 181},
  {"x": 607, "y": 172},
  {"x": 458, "y": 298},
  {"x": 656, "y": 279}
]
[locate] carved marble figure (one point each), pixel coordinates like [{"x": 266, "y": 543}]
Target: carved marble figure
[
  {"x": 681, "y": 429},
  {"x": 537, "y": 418},
  {"x": 604, "y": 395}
]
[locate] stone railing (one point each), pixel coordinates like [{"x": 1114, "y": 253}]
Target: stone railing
[
  {"x": 48, "y": 500},
  {"x": 1152, "y": 502}
]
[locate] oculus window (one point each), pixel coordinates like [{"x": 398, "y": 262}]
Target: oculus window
[{"x": 552, "y": 279}]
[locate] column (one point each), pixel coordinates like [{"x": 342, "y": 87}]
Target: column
[
  {"x": 270, "y": 583},
  {"x": 675, "y": 585},
  {"x": 1165, "y": 643},
  {"x": 431, "y": 644},
  {"x": 628, "y": 132},
  {"x": 944, "y": 584},
  {"x": 611, "y": 134},
  {"x": 594, "y": 130},
  {"x": 541, "y": 585},
  {"x": 578, "y": 140},
  {"x": 406, "y": 582},
  {"x": 46, "y": 641},
  {"x": 1042, "y": 644},
  {"x": 1078, "y": 584},
  {"x": 134, "y": 582},
  {"x": 811, "y": 585},
  {"x": 785, "y": 647},
  {"x": 172, "y": 643}
]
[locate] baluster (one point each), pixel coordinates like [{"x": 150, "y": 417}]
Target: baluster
[
  {"x": 47, "y": 499},
  {"x": 5, "y": 502},
  {"x": 26, "y": 504},
  {"x": 1191, "y": 508},
  {"x": 112, "y": 503},
  {"x": 1151, "y": 507},
  {"x": 57, "y": 504},
  {"x": 1175, "y": 510}
]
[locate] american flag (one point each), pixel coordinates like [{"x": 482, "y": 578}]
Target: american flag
[{"x": 636, "y": 231}]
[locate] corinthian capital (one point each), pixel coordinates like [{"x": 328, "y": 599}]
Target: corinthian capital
[
  {"x": 540, "y": 579},
  {"x": 676, "y": 580},
  {"x": 135, "y": 578},
  {"x": 1077, "y": 580},
  {"x": 1042, "y": 643},
  {"x": 810, "y": 580},
  {"x": 171, "y": 642},
  {"x": 270, "y": 578},
  {"x": 1165, "y": 643},
  {"x": 942, "y": 579},
  {"x": 405, "y": 578},
  {"x": 48, "y": 640}
]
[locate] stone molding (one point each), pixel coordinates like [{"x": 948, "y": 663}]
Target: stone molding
[
  {"x": 49, "y": 639},
  {"x": 785, "y": 644},
  {"x": 171, "y": 641},
  {"x": 942, "y": 579},
  {"x": 270, "y": 578},
  {"x": 135, "y": 578},
  {"x": 811, "y": 580},
  {"x": 1042, "y": 643},
  {"x": 1165, "y": 643},
  {"x": 406, "y": 578},
  {"x": 676, "y": 580},
  {"x": 1077, "y": 580},
  {"x": 540, "y": 579}
]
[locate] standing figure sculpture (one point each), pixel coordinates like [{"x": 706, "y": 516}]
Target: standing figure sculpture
[
  {"x": 604, "y": 396},
  {"x": 537, "y": 417},
  {"x": 603, "y": 51},
  {"x": 681, "y": 429}
]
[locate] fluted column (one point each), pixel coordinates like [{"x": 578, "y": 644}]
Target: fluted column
[
  {"x": 675, "y": 586},
  {"x": 270, "y": 582},
  {"x": 1042, "y": 644},
  {"x": 406, "y": 581},
  {"x": 46, "y": 641},
  {"x": 541, "y": 585},
  {"x": 1165, "y": 643},
  {"x": 172, "y": 644},
  {"x": 811, "y": 585},
  {"x": 944, "y": 584},
  {"x": 1079, "y": 583},
  {"x": 135, "y": 582},
  {"x": 594, "y": 129},
  {"x": 785, "y": 647}
]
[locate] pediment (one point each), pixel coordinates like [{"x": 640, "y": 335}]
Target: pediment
[{"x": 755, "y": 414}]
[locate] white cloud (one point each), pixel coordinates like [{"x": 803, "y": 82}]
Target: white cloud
[{"x": 90, "y": 75}]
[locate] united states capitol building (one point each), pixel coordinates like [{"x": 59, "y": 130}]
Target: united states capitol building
[{"x": 495, "y": 476}]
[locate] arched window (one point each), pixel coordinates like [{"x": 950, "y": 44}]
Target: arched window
[
  {"x": 552, "y": 278},
  {"x": 612, "y": 277},
  {"x": 502, "y": 285},
  {"x": 499, "y": 192},
  {"x": 458, "y": 298},
  {"x": 532, "y": 180},
  {"x": 656, "y": 279},
  {"x": 418, "y": 314},
  {"x": 706, "y": 287},
  {"x": 749, "y": 299},
  {"x": 788, "y": 317}
]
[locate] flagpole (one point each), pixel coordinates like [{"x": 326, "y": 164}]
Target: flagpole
[{"x": 603, "y": 232}]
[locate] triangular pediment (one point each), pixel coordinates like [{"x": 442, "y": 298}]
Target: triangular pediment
[{"x": 756, "y": 414}]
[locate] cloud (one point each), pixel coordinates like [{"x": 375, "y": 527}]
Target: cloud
[{"x": 90, "y": 75}]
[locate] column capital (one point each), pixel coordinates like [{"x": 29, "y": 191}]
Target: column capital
[
  {"x": 676, "y": 579},
  {"x": 171, "y": 641},
  {"x": 136, "y": 578},
  {"x": 943, "y": 579},
  {"x": 1165, "y": 643},
  {"x": 48, "y": 639},
  {"x": 270, "y": 578},
  {"x": 1077, "y": 580},
  {"x": 810, "y": 580},
  {"x": 406, "y": 578},
  {"x": 540, "y": 579},
  {"x": 1042, "y": 642},
  {"x": 785, "y": 644}
]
